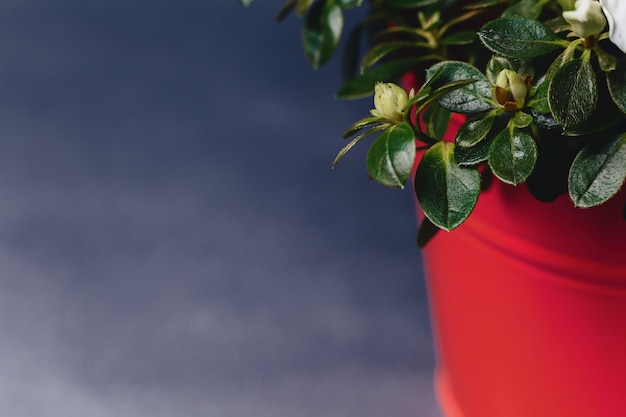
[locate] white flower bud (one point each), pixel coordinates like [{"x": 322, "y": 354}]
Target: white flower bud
[
  {"x": 510, "y": 90},
  {"x": 615, "y": 11},
  {"x": 389, "y": 100},
  {"x": 586, "y": 19}
]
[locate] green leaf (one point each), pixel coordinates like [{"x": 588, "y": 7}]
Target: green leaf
[
  {"x": 437, "y": 120},
  {"x": 391, "y": 156},
  {"x": 616, "y": 81},
  {"x": 286, "y": 10},
  {"x": 598, "y": 171},
  {"x": 474, "y": 130},
  {"x": 527, "y": 8},
  {"x": 519, "y": 37},
  {"x": 426, "y": 232},
  {"x": 522, "y": 119},
  {"x": 539, "y": 101},
  {"x": 354, "y": 141},
  {"x": 512, "y": 155},
  {"x": 544, "y": 120},
  {"x": 475, "y": 155},
  {"x": 447, "y": 192},
  {"x": 457, "y": 20},
  {"x": 567, "y": 4},
  {"x": 321, "y": 31},
  {"x": 573, "y": 94},
  {"x": 380, "y": 51},
  {"x": 303, "y": 6},
  {"x": 363, "y": 85},
  {"x": 461, "y": 38},
  {"x": 481, "y": 4},
  {"x": 495, "y": 66},
  {"x": 425, "y": 96},
  {"x": 472, "y": 98},
  {"x": 349, "y": 4},
  {"x": 361, "y": 124},
  {"x": 607, "y": 61},
  {"x": 409, "y": 4},
  {"x": 606, "y": 115}
]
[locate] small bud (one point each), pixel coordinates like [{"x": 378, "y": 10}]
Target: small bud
[
  {"x": 587, "y": 19},
  {"x": 390, "y": 100},
  {"x": 615, "y": 11},
  {"x": 510, "y": 90}
]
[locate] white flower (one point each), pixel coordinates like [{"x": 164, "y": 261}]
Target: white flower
[
  {"x": 615, "y": 11},
  {"x": 389, "y": 100},
  {"x": 587, "y": 18}
]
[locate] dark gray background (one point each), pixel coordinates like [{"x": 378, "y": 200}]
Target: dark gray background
[{"x": 173, "y": 241}]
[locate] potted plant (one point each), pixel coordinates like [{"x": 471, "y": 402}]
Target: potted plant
[{"x": 509, "y": 119}]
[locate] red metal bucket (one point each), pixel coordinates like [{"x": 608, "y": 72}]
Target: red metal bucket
[{"x": 528, "y": 302}]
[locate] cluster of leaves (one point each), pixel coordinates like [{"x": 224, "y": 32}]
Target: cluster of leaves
[
  {"x": 567, "y": 134},
  {"x": 571, "y": 99}
]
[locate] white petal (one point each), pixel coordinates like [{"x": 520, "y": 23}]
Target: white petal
[
  {"x": 587, "y": 19},
  {"x": 615, "y": 11}
]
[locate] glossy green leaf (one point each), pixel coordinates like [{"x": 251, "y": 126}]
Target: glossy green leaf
[
  {"x": 363, "y": 85},
  {"x": 519, "y": 37},
  {"x": 544, "y": 120},
  {"x": 616, "y": 81},
  {"x": 495, "y": 66},
  {"x": 539, "y": 101},
  {"x": 607, "y": 61},
  {"x": 356, "y": 140},
  {"x": 360, "y": 125},
  {"x": 573, "y": 94},
  {"x": 474, "y": 130},
  {"x": 426, "y": 95},
  {"x": 522, "y": 120},
  {"x": 447, "y": 192},
  {"x": 475, "y": 155},
  {"x": 436, "y": 119},
  {"x": 391, "y": 156},
  {"x": 605, "y": 116},
  {"x": 321, "y": 31},
  {"x": 598, "y": 171},
  {"x": 472, "y": 98},
  {"x": 512, "y": 155}
]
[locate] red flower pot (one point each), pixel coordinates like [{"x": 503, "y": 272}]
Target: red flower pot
[{"x": 528, "y": 302}]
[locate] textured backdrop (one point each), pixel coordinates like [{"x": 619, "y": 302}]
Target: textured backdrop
[{"x": 172, "y": 239}]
